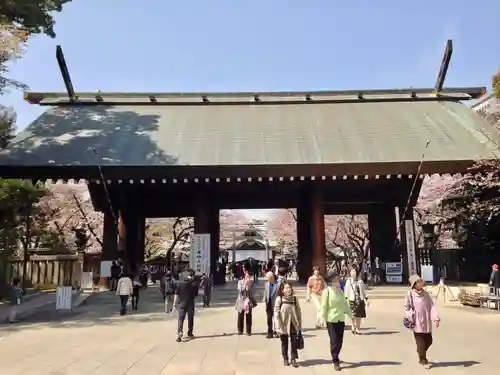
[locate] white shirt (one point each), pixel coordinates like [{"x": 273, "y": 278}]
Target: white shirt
[
  {"x": 350, "y": 289},
  {"x": 124, "y": 287}
]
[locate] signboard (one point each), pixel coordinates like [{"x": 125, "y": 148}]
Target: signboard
[
  {"x": 105, "y": 270},
  {"x": 394, "y": 272},
  {"x": 410, "y": 247},
  {"x": 87, "y": 281},
  {"x": 394, "y": 268},
  {"x": 427, "y": 273},
  {"x": 394, "y": 279},
  {"x": 63, "y": 297},
  {"x": 199, "y": 257}
]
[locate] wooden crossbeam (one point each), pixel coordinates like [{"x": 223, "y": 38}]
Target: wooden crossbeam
[
  {"x": 443, "y": 69},
  {"x": 63, "y": 67}
]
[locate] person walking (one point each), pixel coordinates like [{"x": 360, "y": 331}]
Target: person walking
[
  {"x": 288, "y": 319},
  {"x": 16, "y": 298},
  {"x": 315, "y": 286},
  {"x": 169, "y": 291},
  {"x": 420, "y": 313},
  {"x": 206, "y": 284},
  {"x": 124, "y": 289},
  {"x": 334, "y": 307},
  {"x": 494, "y": 282},
  {"x": 245, "y": 302},
  {"x": 355, "y": 293},
  {"x": 136, "y": 287},
  {"x": 115, "y": 271},
  {"x": 269, "y": 298},
  {"x": 184, "y": 299}
]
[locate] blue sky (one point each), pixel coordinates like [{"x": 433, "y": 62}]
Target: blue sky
[{"x": 230, "y": 45}]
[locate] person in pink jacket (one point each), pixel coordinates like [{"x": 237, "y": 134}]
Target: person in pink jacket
[{"x": 421, "y": 311}]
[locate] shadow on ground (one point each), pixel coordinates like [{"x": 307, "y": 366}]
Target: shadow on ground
[
  {"x": 455, "y": 364},
  {"x": 348, "y": 365},
  {"x": 103, "y": 308}
]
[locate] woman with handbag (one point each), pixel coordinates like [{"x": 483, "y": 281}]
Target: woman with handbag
[
  {"x": 245, "y": 302},
  {"x": 288, "y": 319},
  {"x": 420, "y": 313},
  {"x": 355, "y": 293}
]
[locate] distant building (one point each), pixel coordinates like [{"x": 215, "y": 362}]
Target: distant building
[
  {"x": 251, "y": 245},
  {"x": 485, "y": 103}
]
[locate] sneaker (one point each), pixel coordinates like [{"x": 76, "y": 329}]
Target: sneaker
[
  {"x": 286, "y": 362},
  {"x": 294, "y": 363},
  {"x": 269, "y": 336},
  {"x": 336, "y": 366},
  {"x": 249, "y": 333},
  {"x": 358, "y": 332},
  {"x": 240, "y": 333},
  {"x": 179, "y": 338}
]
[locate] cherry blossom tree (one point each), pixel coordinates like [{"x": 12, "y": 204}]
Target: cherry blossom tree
[
  {"x": 349, "y": 233},
  {"x": 164, "y": 235},
  {"x": 69, "y": 207}
]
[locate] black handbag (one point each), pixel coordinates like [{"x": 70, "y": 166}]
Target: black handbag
[{"x": 299, "y": 341}]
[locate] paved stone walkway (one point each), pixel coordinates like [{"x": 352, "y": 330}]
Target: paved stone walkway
[{"x": 94, "y": 340}]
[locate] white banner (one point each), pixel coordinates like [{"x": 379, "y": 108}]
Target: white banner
[
  {"x": 411, "y": 247},
  {"x": 63, "y": 297},
  {"x": 87, "y": 280},
  {"x": 242, "y": 255},
  {"x": 199, "y": 256}
]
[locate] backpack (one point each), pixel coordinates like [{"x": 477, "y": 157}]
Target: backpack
[{"x": 169, "y": 286}]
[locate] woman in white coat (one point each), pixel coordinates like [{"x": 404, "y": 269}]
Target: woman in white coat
[
  {"x": 355, "y": 293},
  {"x": 124, "y": 289}
]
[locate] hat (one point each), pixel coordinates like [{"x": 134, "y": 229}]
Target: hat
[
  {"x": 414, "y": 279},
  {"x": 495, "y": 266}
]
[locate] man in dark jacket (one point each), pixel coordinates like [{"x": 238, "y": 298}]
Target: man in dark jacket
[
  {"x": 184, "y": 300},
  {"x": 495, "y": 278}
]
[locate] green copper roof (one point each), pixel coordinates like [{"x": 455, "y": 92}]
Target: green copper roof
[{"x": 253, "y": 134}]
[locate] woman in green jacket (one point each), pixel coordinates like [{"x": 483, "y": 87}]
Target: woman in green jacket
[{"x": 335, "y": 307}]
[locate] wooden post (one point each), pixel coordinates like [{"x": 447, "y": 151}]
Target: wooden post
[{"x": 318, "y": 229}]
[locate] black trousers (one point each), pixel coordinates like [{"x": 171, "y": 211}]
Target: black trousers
[
  {"x": 270, "y": 318},
  {"x": 135, "y": 297},
  {"x": 183, "y": 313},
  {"x": 245, "y": 318},
  {"x": 207, "y": 296},
  {"x": 424, "y": 342},
  {"x": 123, "y": 304},
  {"x": 292, "y": 337},
  {"x": 336, "y": 334}
]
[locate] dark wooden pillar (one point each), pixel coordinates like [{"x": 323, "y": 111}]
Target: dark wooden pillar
[
  {"x": 109, "y": 238},
  {"x": 311, "y": 249},
  {"x": 141, "y": 240},
  {"x": 304, "y": 235},
  {"x": 214, "y": 240},
  {"x": 206, "y": 221},
  {"x": 383, "y": 233},
  {"x": 318, "y": 229},
  {"x": 122, "y": 234},
  {"x": 129, "y": 239},
  {"x": 409, "y": 253}
]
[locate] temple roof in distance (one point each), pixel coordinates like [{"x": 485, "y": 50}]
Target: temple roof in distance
[{"x": 237, "y": 131}]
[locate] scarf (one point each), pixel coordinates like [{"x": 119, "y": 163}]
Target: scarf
[{"x": 289, "y": 300}]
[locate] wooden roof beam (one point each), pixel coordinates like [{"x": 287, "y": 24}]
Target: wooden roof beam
[
  {"x": 443, "y": 69},
  {"x": 63, "y": 67}
]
